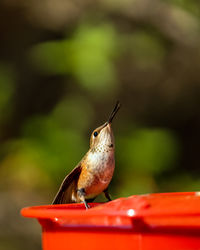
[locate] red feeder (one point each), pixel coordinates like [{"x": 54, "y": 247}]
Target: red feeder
[{"x": 140, "y": 222}]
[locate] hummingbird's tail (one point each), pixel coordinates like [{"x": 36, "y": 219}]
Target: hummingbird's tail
[{"x": 68, "y": 188}]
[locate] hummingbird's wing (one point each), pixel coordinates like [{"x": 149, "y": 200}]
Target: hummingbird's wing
[{"x": 68, "y": 187}]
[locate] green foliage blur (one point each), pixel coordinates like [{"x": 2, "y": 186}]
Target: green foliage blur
[{"x": 63, "y": 65}]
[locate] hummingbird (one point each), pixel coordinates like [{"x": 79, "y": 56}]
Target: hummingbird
[{"x": 94, "y": 172}]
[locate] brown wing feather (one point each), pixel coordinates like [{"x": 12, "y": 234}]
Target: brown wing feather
[{"x": 68, "y": 185}]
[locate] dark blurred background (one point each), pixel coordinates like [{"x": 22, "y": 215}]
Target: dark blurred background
[{"x": 63, "y": 65}]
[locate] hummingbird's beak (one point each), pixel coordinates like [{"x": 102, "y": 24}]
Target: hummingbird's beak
[{"x": 114, "y": 112}]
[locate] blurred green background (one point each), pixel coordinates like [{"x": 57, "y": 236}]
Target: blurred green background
[{"x": 63, "y": 65}]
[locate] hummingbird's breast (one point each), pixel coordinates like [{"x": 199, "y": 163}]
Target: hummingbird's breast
[{"x": 97, "y": 171}]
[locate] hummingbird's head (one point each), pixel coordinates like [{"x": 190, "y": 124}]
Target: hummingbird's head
[{"x": 102, "y": 138}]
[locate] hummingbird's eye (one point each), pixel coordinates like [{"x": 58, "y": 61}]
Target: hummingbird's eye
[{"x": 95, "y": 134}]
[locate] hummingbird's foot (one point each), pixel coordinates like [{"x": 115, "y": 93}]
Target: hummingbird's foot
[
  {"x": 107, "y": 195},
  {"x": 86, "y": 204},
  {"x": 81, "y": 194}
]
